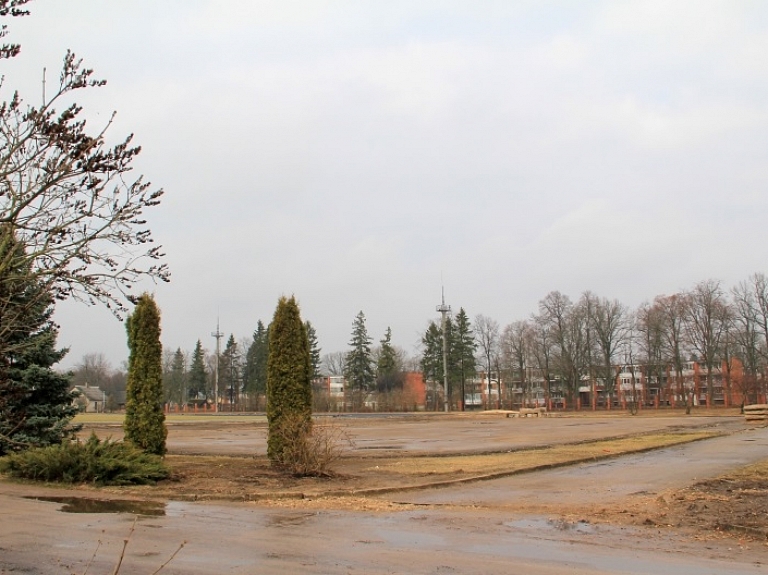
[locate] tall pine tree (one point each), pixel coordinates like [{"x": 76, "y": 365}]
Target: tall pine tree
[
  {"x": 197, "y": 377},
  {"x": 464, "y": 351},
  {"x": 256, "y": 362},
  {"x": 230, "y": 373},
  {"x": 36, "y": 406},
  {"x": 432, "y": 359},
  {"x": 358, "y": 364},
  {"x": 144, "y": 418},
  {"x": 289, "y": 388},
  {"x": 175, "y": 380},
  {"x": 388, "y": 373},
  {"x": 314, "y": 349}
]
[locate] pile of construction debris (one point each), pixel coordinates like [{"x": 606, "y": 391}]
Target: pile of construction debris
[{"x": 757, "y": 412}]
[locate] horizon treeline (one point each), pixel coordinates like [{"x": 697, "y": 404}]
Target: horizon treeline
[{"x": 562, "y": 341}]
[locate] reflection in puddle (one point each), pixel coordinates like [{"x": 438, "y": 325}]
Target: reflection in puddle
[{"x": 86, "y": 505}]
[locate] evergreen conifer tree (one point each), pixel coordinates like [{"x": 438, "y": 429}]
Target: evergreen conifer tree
[
  {"x": 197, "y": 378},
  {"x": 176, "y": 386},
  {"x": 36, "y": 406},
  {"x": 388, "y": 374},
  {"x": 144, "y": 418},
  {"x": 358, "y": 364},
  {"x": 465, "y": 348},
  {"x": 289, "y": 389},
  {"x": 314, "y": 349},
  {"x": 230, "y": 373},
  {"x": 432, "y": 358},
  {"x": 256, "y": 362}
]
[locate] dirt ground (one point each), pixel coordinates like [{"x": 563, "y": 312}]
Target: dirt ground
[
  {"x": 389, "y": 454},
  {"x": 734, "y": 504},
  {"x": 444, "y": 492}
]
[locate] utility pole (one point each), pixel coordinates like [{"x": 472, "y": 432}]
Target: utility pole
[
  {"x": 218, "y": 335},
  {"x": 444, "y": 310}
]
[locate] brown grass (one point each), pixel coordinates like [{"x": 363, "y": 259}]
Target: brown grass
[
  {"x": 234, "y": 478},
  {"x": 536, "y": 458}
]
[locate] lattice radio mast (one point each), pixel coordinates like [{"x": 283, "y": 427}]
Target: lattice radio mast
[
  {"x": 218, "y": 335},
  {"x": 444, "y": 310}
]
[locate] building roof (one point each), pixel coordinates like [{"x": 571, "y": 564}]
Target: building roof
[{"x": 91, "y": 393}]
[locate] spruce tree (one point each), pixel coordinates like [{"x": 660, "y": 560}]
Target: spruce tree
[
  {"x": 388, "y": 375},
  {"x": 197, "y": 378},
  {"x": 256, "y": 362},
  {"x": 144, "y": 418},
  {"x": 230, "y": 373},
  {"x": 289, "y": 388},
  {"x": 314, "y": 349},
  {"x": 465, "y": 348},
  {"x": 174, "y": 377},
  {"x": 358, "y": 364},
  {"x": 36, "y": 406},
  {"x": 432, "y": 357}
]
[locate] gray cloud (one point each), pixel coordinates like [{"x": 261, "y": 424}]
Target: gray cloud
[{"x": 352, "y": 153}]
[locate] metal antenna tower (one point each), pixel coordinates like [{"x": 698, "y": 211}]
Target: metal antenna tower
[
  {"x": 444, "y": 310},
  {"x": 218, "y": 335}
]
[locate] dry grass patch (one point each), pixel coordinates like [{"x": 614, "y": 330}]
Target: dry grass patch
[
  {"x": 235, "y": 478},
  {"x": 534, "y": 458}
]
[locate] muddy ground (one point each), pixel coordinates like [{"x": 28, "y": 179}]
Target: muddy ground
[
  {"x": 398, "y": 468},
  {"x": 223, "y": 458}
]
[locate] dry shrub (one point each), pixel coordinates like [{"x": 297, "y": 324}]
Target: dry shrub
[{"x": 310, "y": 450}]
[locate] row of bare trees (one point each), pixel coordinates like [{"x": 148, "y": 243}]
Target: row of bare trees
[{"x": 569, "y": 341}]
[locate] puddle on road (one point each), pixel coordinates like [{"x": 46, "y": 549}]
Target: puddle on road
[
  {"x": 289, "y": 520},
  {"x": 87, "y": 505},
  {"x": 553, "y": 525}
]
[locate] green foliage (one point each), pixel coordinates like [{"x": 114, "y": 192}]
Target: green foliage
[
  {"x": 289, "y": 389},
  {"x": 432, "y": 354},
  {"x": 463, "y": 350},
  {"x": 175, "y": 378},
  {"x": 144, "y": 418},
  {"x": 94, "y": 461},
  {"x": 230, "y": 372},
  {"x": 36, "y": 406},
  {"x": 314, "y": 349},
  {"x": 358, "y": 364},
  {"x": 197, "y": 377},
  {"x": 389, "y": 374},
  {"x": 256, "y": 362}
]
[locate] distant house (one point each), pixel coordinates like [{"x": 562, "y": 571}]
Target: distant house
[{"x": 91, "y": 399}]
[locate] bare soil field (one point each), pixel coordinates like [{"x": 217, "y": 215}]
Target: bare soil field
[
  {"x": 222, "y": 458},
  {"x": 467, "y": 476}
]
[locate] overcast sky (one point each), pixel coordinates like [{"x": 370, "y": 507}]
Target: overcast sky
[{"x": 358, "y": 154}]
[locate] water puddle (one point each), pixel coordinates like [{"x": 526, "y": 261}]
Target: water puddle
[
  {"x": 289, "y": 520},
  {"x": 87, "y": 505},
  {"x": 553, "y": 525}
]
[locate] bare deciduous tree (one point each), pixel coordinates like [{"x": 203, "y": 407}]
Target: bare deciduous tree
[
  {"x": 333, "y": 363},
  {"x": 487, "y": 337},
  {"x": 672, "y": 311},
  {"x": 68, "y": 198},
  {"x": 516, "y": 354},
  {"x": 567, "y": 327},
  {"x": 93, "y": 369},
  {"x": 608, "y": 319},
  {"x": 705, "y": 319},
  {"x": 649, "y": 326}
]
